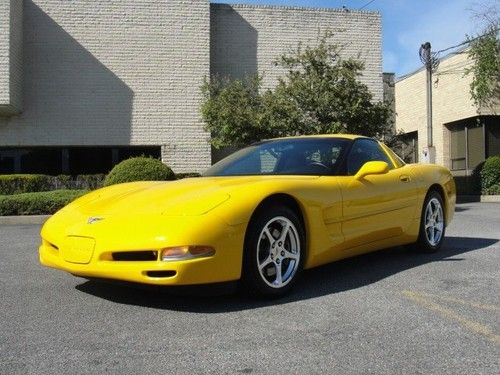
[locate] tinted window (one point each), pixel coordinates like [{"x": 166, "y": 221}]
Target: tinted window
[
  {"x": 362, "y": 151},
  {"x": 300, "y": 156}
]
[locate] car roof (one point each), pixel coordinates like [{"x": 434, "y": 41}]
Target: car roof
[{"x": 345, "y": 136}]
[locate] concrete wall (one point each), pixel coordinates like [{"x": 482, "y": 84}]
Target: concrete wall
[
  {"x": 451, "y": 102},
  {"x": 118, "y": 72},
  {"x": 11, "y": 18},
  {"x": 246, "y": 39}
]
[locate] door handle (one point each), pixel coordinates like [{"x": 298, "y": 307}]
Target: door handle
[{"x": 404, "y": 178}]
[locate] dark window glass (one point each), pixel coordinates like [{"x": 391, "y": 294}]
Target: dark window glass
[
  {"x": 8, "y": 161},
  {"x": 41, "y": 160},
  {"x": 300, "y": 156},
  {"x": 457, "y": 148},
  {"x": 494, "y": 137},
  {"x": 89, "y": 160},
  {"x": 475, "y": 146},
  {"x": 362, "y": 151},
  {"x": 69, "y": 160}
]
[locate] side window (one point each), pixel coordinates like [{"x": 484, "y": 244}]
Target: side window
[{"x": 362, "y": 151}]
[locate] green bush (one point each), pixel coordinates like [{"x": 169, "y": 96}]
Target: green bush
[
  {"x": 23, "y": 183},
  {"x": 139, "y": 169},
  {"x": 180, "y": 176},
  {"x": 493, "y": 190},
  {"x": 39, "y": 203},
  {"x": 30, "y": 183},
  {"x": 490, "y": 174}
]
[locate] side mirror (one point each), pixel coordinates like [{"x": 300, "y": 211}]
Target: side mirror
[{"x": 372, "y": 167}]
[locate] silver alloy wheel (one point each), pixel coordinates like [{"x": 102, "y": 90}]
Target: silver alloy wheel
[
  {"x": 278, "y": 252},
  {"x": 434, "y": 222}
]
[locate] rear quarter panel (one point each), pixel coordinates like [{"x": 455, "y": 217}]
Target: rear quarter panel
[{"x": 428, "y": 175}]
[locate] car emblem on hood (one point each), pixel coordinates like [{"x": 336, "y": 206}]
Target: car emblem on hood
[{"x": 94, "y": 219}]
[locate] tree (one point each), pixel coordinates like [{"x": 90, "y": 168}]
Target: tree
[
  {"x": 484, "y": 51},
  {"x": 319, "y": 93},
  {"x": 232, "y": 111}
]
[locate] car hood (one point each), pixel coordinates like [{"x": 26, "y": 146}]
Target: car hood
[{"x": 192, "y": 196}]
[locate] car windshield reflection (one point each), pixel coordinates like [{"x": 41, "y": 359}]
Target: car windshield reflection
[{"x": 300, "y": 156}]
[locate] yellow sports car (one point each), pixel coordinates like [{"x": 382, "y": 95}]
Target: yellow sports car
[{"x": 261, "y": 216}]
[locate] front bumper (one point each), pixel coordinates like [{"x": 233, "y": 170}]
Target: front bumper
[{"x": 70, "y": 244}]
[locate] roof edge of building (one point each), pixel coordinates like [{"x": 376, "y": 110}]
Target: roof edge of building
[
  {"x": 289, "y": 7},
  {"x": 445, "y": 57}
]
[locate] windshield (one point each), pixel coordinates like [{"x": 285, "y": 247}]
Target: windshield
[{"x": 296, "y": 156}]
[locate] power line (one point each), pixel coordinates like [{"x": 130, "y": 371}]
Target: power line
[
  {"x": 368, "y": 3},
  {"x": 467, "y": 41}
]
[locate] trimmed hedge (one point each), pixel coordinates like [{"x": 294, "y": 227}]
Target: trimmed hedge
[
  {"x": 31, "y": 183},
  {"x": 490, "y": 175},
  {"x": 81, "y": 182},
  {"x": 39, "y": 203},
  {"x": 139, "y": 169},
  {"x": 23, "y": 183}
]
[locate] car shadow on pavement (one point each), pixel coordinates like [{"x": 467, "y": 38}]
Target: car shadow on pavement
[{"x": 333, "y": 278}]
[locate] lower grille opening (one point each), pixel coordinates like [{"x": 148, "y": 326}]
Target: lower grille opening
[
  {"x": 135, "y": 255},
  {"x": 161, "y": 273}
]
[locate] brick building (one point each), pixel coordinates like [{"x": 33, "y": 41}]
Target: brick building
[
  {"x": 463, "y": 133},
  {"x": 87, "y": 83}
]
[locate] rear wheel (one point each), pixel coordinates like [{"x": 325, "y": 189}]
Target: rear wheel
[
  {"x": 432, "y": 226},
  {"x": 274, "y": 252}
]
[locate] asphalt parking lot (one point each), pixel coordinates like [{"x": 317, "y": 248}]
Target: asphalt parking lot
[{"x": 390, "y": 312}]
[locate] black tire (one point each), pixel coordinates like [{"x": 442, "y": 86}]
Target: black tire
[
  {"x": 432, "y": 228},
  {"x": 271, "y": 267}
]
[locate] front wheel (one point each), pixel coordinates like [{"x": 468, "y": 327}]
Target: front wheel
[
  {"x": 432, "y": 226},
  {"x": 274, "y": 252}
]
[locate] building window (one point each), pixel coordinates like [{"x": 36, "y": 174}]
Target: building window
[
  {"x": 472, "y": 141},
  {"x": 458, "y": 149},
  {"x": 69, "y": 160},
  {"x": 492, "y": 136}
]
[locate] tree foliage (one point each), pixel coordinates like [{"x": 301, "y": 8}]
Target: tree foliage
[
  {"x": 484, "y": 51},
  {"x": 319, "y": 93}
]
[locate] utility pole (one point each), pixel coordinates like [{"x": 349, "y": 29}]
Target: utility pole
[{"x": 429, "y": 152}]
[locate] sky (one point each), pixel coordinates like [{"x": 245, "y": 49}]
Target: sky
[{"x": 406, "y": 24}]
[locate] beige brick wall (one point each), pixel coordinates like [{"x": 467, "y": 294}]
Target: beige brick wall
[
  {"x": 10, "y": 56},
  {"x": 450, "y": 101},
  {"x": 114, "y": 72},
  {"x": 4, "y": 52},
  {"x": 128, "y": 72},
  {"x": 246, "y": 39}
]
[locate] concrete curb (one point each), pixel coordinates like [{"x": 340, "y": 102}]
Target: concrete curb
[
  {"x": 490, "y": 198},
  {"x": 24, "y": 220}
]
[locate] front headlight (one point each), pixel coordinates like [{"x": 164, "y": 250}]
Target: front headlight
[{"x": 186, "y": 252}]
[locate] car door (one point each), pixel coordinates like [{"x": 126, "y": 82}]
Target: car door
[{"x": 376, "y": 206}]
